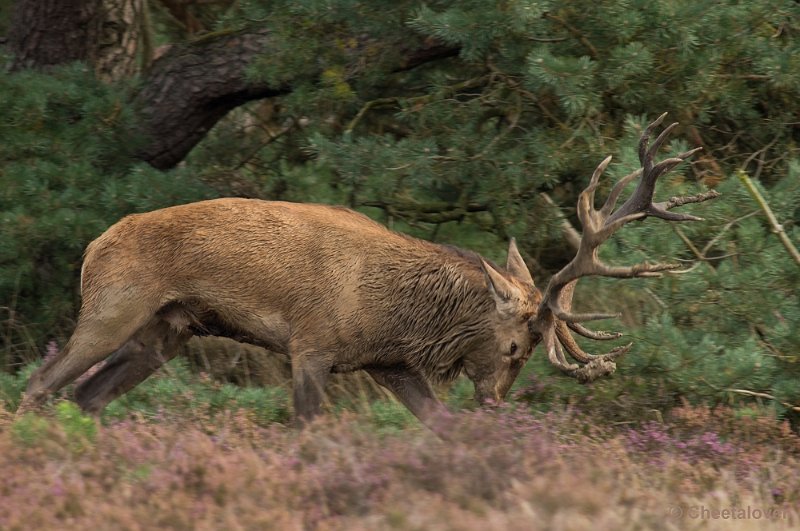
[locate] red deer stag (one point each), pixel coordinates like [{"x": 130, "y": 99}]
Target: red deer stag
[{"x": 337, "y": 292}]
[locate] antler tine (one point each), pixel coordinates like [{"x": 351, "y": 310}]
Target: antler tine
[
  {"x": 561, "y": 306},
  {"x": 645, "y": 269},
  {"x": 596, "y": 366},
  {"x": 595, "y": 180},
  {"x": 556, "y": 354},
  {"x": 610, "y": 227},
  {"x": 583, "y": 317},
  {"x": 611, "y": 200},
  {"x": 586, "y": 198},
  {"x": 555, "y": 318},
  {"x": 655, "y": 146},
  {"x": 562, "y": 331},
  {"x": 599, "y": 335},
  {"x": 661, "y": 168},
  {"x": 644, "y": 142},
  {"x": 659, "y": 210},
  {"x": 568, "y": 342},
  {"x": 686, "y": 154}
]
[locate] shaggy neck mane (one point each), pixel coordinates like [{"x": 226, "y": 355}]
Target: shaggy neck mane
[{"x": 437, "y": 334}]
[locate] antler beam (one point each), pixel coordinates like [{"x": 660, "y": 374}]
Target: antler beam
[{"x": 555, "y": 317}]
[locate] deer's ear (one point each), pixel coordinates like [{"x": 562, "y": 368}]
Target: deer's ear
[
  {"x": 506, "y": 295},
  {"x": 516, "y": 265}
]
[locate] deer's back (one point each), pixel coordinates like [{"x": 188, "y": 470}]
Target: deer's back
[{"x": 305, "y": 261}]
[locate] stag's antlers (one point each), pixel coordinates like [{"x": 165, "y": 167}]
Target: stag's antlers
[{"x": 555, "y": 318}]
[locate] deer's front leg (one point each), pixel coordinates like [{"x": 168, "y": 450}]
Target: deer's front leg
[
  {"x": 414, "y": 392},
  {"x": 310, "y": 372}
]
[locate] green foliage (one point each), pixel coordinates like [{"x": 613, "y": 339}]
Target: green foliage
[
  {"x": 542, "y": 92},
  {"x": 460, "y": 394},
  {"x": 727, "y": 323},
  {"x": 173, "y": 391},
  {"x": 390, "y": 416},
  {"x": 30, "y": 429},
  {"x": 13, "y": 384},
  {"x": 176, "y": 390},
  {"x": 723, "y": 325},
  {"x": 67, "y": 172},
  {"x": 80, "y": 430}
]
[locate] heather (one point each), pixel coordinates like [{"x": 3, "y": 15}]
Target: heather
[
  {"x": 502, "y": 468},
  {"x": 493, "y": 141}
]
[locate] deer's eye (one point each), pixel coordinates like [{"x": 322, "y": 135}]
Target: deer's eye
[{"x": 513, "y": 349}]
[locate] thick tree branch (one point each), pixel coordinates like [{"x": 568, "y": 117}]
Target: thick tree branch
[
  {"x": 192, "y": 86},
  {"x": 430, "y": 50}
]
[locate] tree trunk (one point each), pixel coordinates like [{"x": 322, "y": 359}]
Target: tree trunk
[
  {"x": 116, "y": 54},
  {"x": 103, "y": 33}
]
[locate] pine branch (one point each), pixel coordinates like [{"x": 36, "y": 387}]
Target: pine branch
[
  {"x": 367, "y": 106},
  {"x": 395, "y": 100},
  {"x": 429, "y": 212},
  {"x": 575, "y": 32}
]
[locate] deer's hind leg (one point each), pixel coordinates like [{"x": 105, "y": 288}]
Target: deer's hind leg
[
  {"x": 143, "y": 354},
  {"x": 94, "y": 339},
  {"x": 110, "y": 315}
]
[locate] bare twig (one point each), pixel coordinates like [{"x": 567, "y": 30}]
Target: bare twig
[
  {"x": 725, "y": 229},
  {"x": 708, "y": 158},
  {"x": 575, "y": 32},
  {"x": 367, "y": 106},
  {"x": 756, "y": 394},
  {"x": 656, "y": 298},
  {"x": 760, "y": 156},
  {"x": 502, "y": 134},
  {"x": 572, "y": 236},
  {"x": 777, "y": 228},
  {"x": 689, "y": 243},
  {"x": 469, "y": 83},
  {"x": 515, "y": 86},
  {"x": 270, "y": 139}
]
